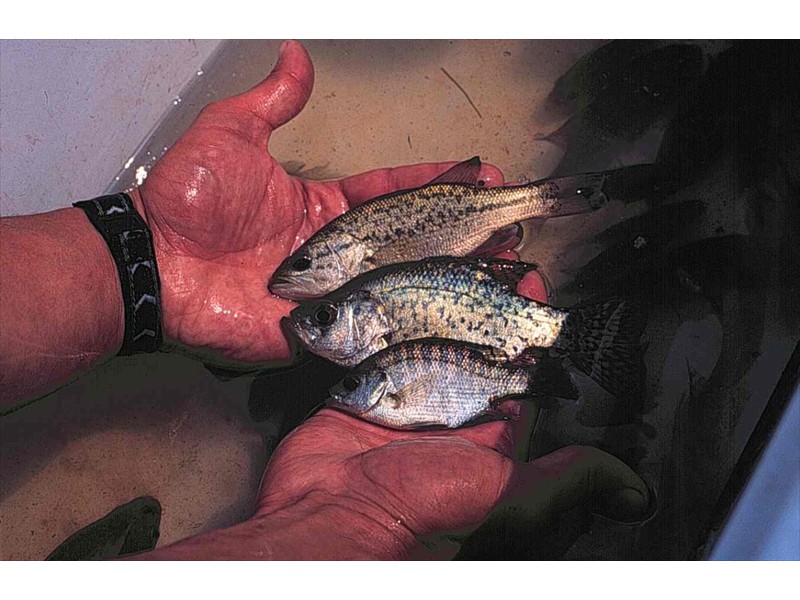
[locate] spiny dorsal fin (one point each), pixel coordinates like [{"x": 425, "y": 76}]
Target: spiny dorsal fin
[
  {"x": 528, "y": 357},
  {"x": 492, "y": 354},
  {"x": 508, "y": 272},
  {"x": 464, "y": 172}
]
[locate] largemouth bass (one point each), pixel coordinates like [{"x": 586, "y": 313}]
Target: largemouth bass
[
  {"x": 440, "y": 383},
  {"x": 451, "y": 216},
  {"x": 475, "y": 301}
]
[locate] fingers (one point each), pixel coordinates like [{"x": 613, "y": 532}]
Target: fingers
[
  {"x": 581, "y": 476},
  {"x": 277, "y": 99},
  {"x": 497, "y": 435},
  {"x": 533, "y": 286},
  {"x": 360, "y": 188},
  {"x": 546, "y": 504}
]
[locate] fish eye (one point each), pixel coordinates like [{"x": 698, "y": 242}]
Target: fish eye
[
  {"x": 325, "y": 315},
  {"x": 350, "y": 383},
  {"x": 301, "y": 264}
]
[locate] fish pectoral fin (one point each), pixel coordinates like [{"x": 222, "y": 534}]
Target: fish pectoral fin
[
  {"x": 505, "y": 238},
  {"x": 369, "y": 262},
  {"x": 394, "y": 401},
  {"x": 494, "y": 414},
  {"x": 466, "y": 172},
  {"x": 417, "y": 391}
]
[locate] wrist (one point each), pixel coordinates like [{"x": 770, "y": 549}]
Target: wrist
[
  {"x": 95, "y": 251},
  {"x": 130, "y": 244},
  {"x": 323, "y": 526},
  {"x": 60, "y": 301},
  {"x": 166, "y": 272},
  {"x": 100, "y": 271},
  {"x": 314, "y": 528},
  {"x": 136, "y": 196}
]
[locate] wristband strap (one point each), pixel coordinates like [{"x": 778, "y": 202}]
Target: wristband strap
[{"x": 131, "y": 245}]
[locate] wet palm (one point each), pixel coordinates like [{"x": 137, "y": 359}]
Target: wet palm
[
  {"x": 402, "y": 487},
  {"x": 412, "y": 483},
  {"x": 224, "y": 214}
]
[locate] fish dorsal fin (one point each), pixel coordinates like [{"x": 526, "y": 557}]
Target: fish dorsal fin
[
  {"x": 528, "y": 357},
  {"x": 492, "y": 354},
  {"x": 507, "y": 272},
  {"x": 464, "y": 172}
]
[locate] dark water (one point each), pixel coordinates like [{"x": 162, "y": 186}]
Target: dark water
[{"x": 712, "y": 252}]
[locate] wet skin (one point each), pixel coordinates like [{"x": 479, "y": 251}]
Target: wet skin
[{"x": 224, "y": 214}]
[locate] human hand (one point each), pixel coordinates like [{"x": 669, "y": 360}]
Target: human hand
[
  {"x": 378, "y": 492},
  {"x": 369, "y": 492},
  {"x": 224, "y": 214}
]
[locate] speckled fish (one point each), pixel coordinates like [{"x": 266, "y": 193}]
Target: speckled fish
[
  {"x": 475, "y": 301},
  {"x": 451, "y": 216},
  {"x": 440, "y": 383}
]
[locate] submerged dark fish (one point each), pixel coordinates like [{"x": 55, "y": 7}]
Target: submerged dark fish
[
  {"x": 450, "y": 216},
  {"x": 475, "y": 301},
  {"x": 128, "y": 529},
  {"x": 440, "y": 383}
]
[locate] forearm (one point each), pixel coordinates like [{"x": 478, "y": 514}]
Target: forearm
[
  {"x": 299, "y": 533},
  {"x": 60, "y": 302}
]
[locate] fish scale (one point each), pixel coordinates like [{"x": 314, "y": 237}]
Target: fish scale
[
  {"x": 429, "y": 213},
  {"x": 474, "y": 301},
  {"x": 441, "y": 383},
  {"x": 436, "y": 300},
  {"x": 433, "y": 383},
  {"x": 450, "y": 216}
]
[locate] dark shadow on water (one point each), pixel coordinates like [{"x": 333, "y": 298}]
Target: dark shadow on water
[
  {"x": 288, "y": 397},
  {"x": 717, "y": 249}
]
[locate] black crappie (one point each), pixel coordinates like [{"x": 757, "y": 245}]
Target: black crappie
[
  {"x": 475, "y": 301},
  {"x": 450, "y": 216},
  {"x": 441, "y": 383}
]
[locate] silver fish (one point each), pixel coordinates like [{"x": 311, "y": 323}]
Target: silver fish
[
  {"x": 474, "y": 301},
  {"x": 451, "y": 216},
  {"x": 440, "y": 383}
]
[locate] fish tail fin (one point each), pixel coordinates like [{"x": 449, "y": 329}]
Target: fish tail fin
[
  {"x": 571, "y": 195},
  {"x": 549, "y": 379},
  {"x": 603, "y": 340}
]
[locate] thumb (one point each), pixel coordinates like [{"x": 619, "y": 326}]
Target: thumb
[
  {"x": 283, "y": 94},
  {"x": 581, "y": 476},
  {"x": 545, "y": 501}
]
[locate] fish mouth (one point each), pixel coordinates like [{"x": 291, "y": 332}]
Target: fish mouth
[
  {"x": 292, "y": 289},
  {"x": 290, "y": 328},
  {"x": 337, "y": 401}
]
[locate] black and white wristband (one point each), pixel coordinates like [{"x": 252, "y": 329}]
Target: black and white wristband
[{"x": 131, "y": 245}]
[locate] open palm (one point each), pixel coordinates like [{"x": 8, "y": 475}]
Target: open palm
[
  {"x": 410, "y": 486},
  {"x": 224, "y": 214}
]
